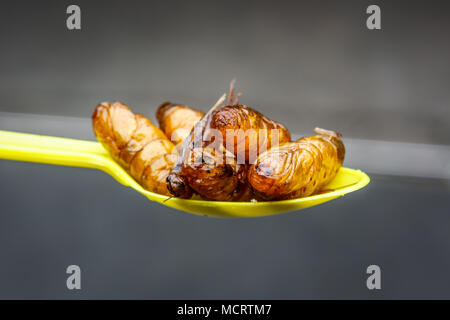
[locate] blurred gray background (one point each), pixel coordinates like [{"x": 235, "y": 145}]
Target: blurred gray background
[{"x": 304, "y": 63}]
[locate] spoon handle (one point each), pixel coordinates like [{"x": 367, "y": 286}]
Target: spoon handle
[{"x": 52, "y": 150}]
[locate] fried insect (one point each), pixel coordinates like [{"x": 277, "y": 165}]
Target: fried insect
[
  {"x": 246, "y": 132},
  {"x": 214, "y": 174},
  {"x": 215, "y": 158},
  {"x": 136, "y": 144},
  {"x": 297, "y": 169},
  {"x": 205, "y": 167},
  {"x": 177, "y": 121}
]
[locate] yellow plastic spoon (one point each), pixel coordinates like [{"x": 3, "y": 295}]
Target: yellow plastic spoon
[{"x": 90, "y": 154}]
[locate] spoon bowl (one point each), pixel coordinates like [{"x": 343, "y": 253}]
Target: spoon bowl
[{"x": 90, "y": 154}]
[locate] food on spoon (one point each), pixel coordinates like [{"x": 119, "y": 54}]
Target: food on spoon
[
  {"x": 216, "y": 168},
  {"x": 214, "y": 174},
  {"x": 177, "y": 121},
  {"x": 206, "y": 168},
  {"x": 297, "y": 169},
  {"x": 247, "y": 132},
  {"x": 136, "y": 144},
  {"x": 231, "y": 153}
]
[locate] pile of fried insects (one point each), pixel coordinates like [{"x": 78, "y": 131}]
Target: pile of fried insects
[{"x": 231, "y": 153}]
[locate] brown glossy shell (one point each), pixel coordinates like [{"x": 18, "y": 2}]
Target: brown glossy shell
[
  {"x": 177, "y": 121},
  {"x": 297, "y": 169},
  {"x": 254, "y": 132},
  {"x": 218, "y": 174},
  {"x": 136, "y": 144},
  {"x": 214, "y": 174},
  {"x": 206, "y": 169}
]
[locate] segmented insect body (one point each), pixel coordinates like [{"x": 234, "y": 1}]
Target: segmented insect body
[
  {"x": 214, "y": 174},
  {"x": 219, "y": 172},
  {"x": 136, "y": 144},
  {"x": 177, "y": 121},
  {"x": 297, "y": 169},
  {"x": 246, "y": 133},
  {"x": 205, "y": 167},
  {"x": 251, "y": 132}
]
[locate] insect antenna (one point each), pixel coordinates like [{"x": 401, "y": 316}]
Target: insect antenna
[
  {"x": 236, "y": 101},
  {"x": 196, "y": 134},
  {"x": 168, "y": 199},
  {"x": 326, "y": 132},
  {"x": 231, "y": 91},
  {"x": 203, "y": 131}
]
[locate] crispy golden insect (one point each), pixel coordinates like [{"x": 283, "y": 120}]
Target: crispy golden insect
[
  {"x": 205, "y": 167},
  {"x": 246, "y": 132},
  {"x": 297, "y": 169},
  {"x": 177, "y": 121},
  {"x": 212, "y": 166},
  {"x": 136, "y": 144},
  {"x": 214, "y": 174}
]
